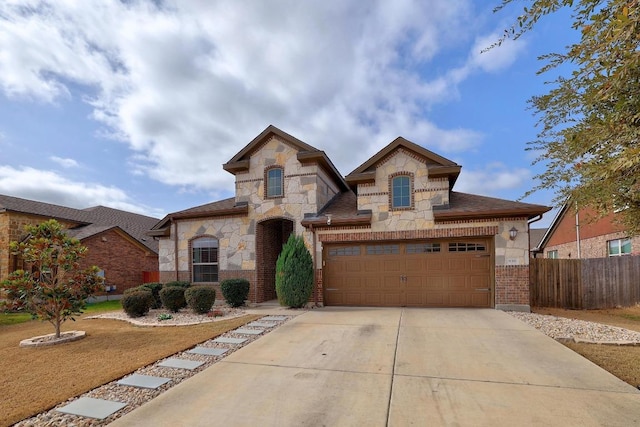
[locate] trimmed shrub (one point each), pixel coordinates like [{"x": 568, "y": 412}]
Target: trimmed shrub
[
  {"x": 173, "y": 298},
  {"x": 155, "y": 291},
  {"x": 235, "y": 291},
  {"x": 154, "y": 288},
  {"x": 200, "y": 298},
  {"x": 137, "y": 303},
  {"x": 294, "y": 273},
  {"x": 179, "y": 283}
]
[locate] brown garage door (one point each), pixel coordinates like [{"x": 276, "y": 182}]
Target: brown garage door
[{"x": 413, "y": 274}]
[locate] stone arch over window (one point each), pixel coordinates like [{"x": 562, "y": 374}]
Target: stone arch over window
[
  {"x": 204, "y": 258},
  {"x": 401, "y": 191},
  {"x": 273, "y": 182}
]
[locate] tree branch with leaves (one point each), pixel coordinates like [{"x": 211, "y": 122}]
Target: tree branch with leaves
[
  {"x": 590, "y": 119},
  {"x": 54, "y": 287}
]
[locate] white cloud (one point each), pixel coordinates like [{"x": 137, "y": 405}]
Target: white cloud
[
  {"x": 65, "y": 163},
  {"x": 493, "y": 179},
  {"x": 499, "y": 57},
  {"x": 189, "y": 84},
  {"x": 50, "y": 187}
]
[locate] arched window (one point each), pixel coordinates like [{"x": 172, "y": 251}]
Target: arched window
[
  {"x": 275, "y": 182},
  {"x": 401, "y": 192},
  {"x": 204, "y": 260}
]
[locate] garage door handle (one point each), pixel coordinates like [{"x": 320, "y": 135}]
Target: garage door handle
[
  {"x": 331, "y": 289},
  {"x": 483, "y": 289},
  {"x": 483, "y": 256}
]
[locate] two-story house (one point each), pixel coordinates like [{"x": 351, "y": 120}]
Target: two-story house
[{"x": 391, "y": 233}]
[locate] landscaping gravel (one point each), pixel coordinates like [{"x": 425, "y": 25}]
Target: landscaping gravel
[
  {"x": 134, "y": 396},
  {"x": 563, "y": 329}
]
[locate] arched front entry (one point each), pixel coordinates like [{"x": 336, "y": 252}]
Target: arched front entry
[{"x": 271, "y": 235}]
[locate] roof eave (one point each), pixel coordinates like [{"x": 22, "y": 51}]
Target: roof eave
[
  {"x": 513, "y": 213},
  {"x": 235, "y": 167},
  {"x": 321, "y": 158},
  {"x": 337, "y": 222}
]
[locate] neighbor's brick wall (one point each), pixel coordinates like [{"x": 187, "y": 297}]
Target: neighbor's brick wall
[
  {"x": 122, "y": 261},
  {"x": 512, "y": 284},
  {"x": 12, "y": 229},
  {"x": 595, "y": 247}
]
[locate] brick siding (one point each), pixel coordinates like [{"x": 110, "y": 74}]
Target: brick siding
[
  {"x": 122, "y": 261},
  {"x": 512, "y": 284}
]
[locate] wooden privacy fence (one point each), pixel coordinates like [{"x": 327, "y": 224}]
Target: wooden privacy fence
[
  {"x": 585, "y": 283},
  {"x": 150, "y": 276}
]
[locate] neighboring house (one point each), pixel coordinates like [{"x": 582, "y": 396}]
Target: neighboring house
[
  {"x": 116, "y": 239},
  {"x": 584, "y": 235},
  {"x": 391, "y": 233},
  {"x": 535, "y": 237}
]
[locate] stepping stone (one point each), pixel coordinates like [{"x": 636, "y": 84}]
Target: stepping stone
[
  {"x": 207, "y": 351},
  {"x": 245, "y": 331},
  {"x": 225, "y": 340},
  {"x": 180, "y": 364},
  {"x": 274, "y": 318},
  {"x": 262, "y": 324},
  {"x": 144, "y": 381},
  {"x": 92, "y": 408}
]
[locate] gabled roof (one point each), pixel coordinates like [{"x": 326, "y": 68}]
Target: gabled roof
[
  {"x": 437, "y": 165},
  {"x": 88, "y": 221},
  {"x": 552, "y": 227},
  {"x": 32, "y": 207},
  {"x": 219, "y": 208},
  {"x": 471, "y": 206},
  {"x": 535, "y": 236},
  {"x": 306, "y": 154}
]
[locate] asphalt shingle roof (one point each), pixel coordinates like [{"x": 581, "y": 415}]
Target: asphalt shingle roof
[{"x": 90, "y": 221}]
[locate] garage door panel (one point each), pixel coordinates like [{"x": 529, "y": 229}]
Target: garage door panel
[{"x": 388, "y": 275}]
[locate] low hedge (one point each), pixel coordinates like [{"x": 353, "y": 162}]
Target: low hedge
[
  {"x": 179, "y": 283},
  {"x": 137, "y": 303},
  {"x": 200, "y": 298},
  {"x": 235, "y": 291},
  {"x": 173, "y": 298}
]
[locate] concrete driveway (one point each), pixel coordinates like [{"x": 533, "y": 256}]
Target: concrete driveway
[{"x": 397, "y": 367}]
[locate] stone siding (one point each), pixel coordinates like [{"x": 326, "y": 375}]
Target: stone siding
[{"x": 426, "y": 193}]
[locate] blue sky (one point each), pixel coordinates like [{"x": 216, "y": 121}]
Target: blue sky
[{"x": 137, "y": 106}]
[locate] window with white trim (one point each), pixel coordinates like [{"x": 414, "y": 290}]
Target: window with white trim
[
  {"x": 618, "y": 247},
  {"x": 552, "y": 254},
  {"x": 204, "y": 260}
]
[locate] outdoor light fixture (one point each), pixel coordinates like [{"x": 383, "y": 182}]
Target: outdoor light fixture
[
  {"x": 513, "y": 233},
  {"x": 328, "y": 219}
]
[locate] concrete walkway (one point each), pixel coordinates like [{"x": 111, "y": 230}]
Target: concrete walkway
[{"x": 397, "y": 367}]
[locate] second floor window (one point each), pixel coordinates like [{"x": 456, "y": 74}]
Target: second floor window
[
  {"x": 275, "y": 182},
  {"x": 401, "y": 192}
]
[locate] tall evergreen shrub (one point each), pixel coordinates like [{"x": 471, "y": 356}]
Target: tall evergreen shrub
[{"x": 294, "y": 273}]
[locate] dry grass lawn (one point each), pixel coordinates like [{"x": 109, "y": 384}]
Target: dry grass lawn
[
  {"x": 36, "y": 379},
  {"x": 621, "y": 361}
]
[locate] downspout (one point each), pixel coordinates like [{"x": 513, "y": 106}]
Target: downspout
[
  {"x": 175, "y": 246},
  {"x": 315, "y": 267},
  {"x": 578, "y": 231},
  {"x": 538, "y": 218}
]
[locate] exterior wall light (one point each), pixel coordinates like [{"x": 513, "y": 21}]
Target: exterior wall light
[
  {"x": 328, "y": 219},
  {"x": 513, "y": 233}
]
